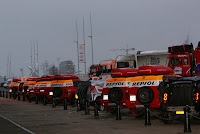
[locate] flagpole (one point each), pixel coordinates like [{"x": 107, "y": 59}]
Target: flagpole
[{"x": 84, "y": 45}]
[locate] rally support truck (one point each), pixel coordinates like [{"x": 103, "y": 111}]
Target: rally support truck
[
  {"x": 63, "y": 86},
  {"x": 115, "y": 90},
  {"x": 176, "y": 93},
  {"x": 143, "y": 88},
  {"x": 42, "y": 89},
  {"x": 89, "y": 91},
  {"x": 102, "y": 70},
  {"x": 13, "y": 88},
  {"x": 27, "y": 88}
]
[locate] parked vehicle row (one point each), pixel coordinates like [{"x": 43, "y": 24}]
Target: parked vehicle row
[{"x": 167, "y": 88}]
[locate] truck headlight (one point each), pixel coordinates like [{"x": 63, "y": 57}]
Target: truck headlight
[
  {"x": 50, "y": 93},
  {"x": 76, "y": 96},
  {"x": 10, "y": 90},
  {"x": 27, "y": 90},
  {"x": 105, "y": 97},
  {"x": 132, "y": 97},
  {"x": 23, "y": 90}
]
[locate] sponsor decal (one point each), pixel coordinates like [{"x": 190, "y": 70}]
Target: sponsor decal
[
  {"x": 57, "y": 85},
  {"x": 15, "y": 85},
  {"x": 117, "y": 84},
  {"x": 178, "y": 70},
  {"x": 42, "y": 85},
  {"x": 62, "y": 84},
  {"x": 68, "y": 84},
  {"x": 182, "y": 55},
  {"x": 198, "y": 68},
  {"x": 145, "y": 83}
]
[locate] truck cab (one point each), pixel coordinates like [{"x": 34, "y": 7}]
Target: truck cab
[
  {"x": 93, "y": 70},
  {"x": 184, "y": 60},
  {"x": 180, "y": 63}
]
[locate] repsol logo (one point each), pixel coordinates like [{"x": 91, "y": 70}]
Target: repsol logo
[
  {"x": 56, "y": 85},
  {"x": 115, "y": 84},
  {"x": 143, "y": 83}
]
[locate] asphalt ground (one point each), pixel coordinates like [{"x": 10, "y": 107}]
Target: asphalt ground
[{"x": 41, "y": 119}]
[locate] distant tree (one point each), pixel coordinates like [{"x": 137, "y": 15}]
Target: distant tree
[
  {"x": 53, "y": 70},
  {"x": 45, "y": 67}
]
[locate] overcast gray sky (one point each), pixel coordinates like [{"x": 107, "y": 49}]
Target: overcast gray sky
[{"x": 142, "y": 24}]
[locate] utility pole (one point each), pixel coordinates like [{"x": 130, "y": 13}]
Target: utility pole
[
  {"x": 77, "y": 45},
  {"x": 7, "y": 64},
  {"x": 91, "y": 39},
  {"x": 84, "y": 45},
  {"x": 58, "y": 65},
  {"x": 31, "y": 54},
  {"x": 10, "y": 67},
  {"x": 34, "y": 52},
  {"x": 37, "y": 58}
]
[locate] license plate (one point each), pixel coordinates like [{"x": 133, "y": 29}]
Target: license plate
[
  {"x": 179, "y": 112},
  {"x": 111, "y": 104}
]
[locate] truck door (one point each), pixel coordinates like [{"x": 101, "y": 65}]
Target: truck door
[{"x": 180, "y": 64}]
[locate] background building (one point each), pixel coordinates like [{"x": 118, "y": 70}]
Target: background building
[{"x": 66, "y": 67}]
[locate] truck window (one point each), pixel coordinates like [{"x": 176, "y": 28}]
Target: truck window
[
  {"x": 175, "y": 62},
  {"x": 104, "y": 67},
  {"x": 185, "y": 61},
  {"x": 122, "y": 64}
]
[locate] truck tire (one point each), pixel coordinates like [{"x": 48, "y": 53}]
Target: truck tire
[{"x": 115, "y": 94}]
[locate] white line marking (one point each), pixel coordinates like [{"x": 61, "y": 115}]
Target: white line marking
[{"x": 17, "y": 125}]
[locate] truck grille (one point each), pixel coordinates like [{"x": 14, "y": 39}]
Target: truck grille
[{"x": 182, "y": 94}]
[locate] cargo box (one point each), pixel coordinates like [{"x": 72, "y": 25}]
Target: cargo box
[
  {"x": 124, "y": 72},
  {"x": 154, "y": 70}
]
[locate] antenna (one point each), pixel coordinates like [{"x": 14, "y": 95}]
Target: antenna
[
  {"x": 91, "y": 38},
  {"x": 188, "y": 34},
  {"x": 84, "y": 44},
  {"x": 126, "y": 50}
]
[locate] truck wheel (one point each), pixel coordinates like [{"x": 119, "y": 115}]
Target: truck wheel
[
  {"x": 53, "y": 104},
  {"x": 29, "y": 99},
  {"x": 73, "y": 99},
  {"x": 44, "y": 101},
  {"x": 145, "y": 95},
  {"x": 36, "y": 99},
  {"x": 168, "y": 117}
]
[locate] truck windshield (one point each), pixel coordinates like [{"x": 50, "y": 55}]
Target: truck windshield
[
  {"x": 175, "y": 62},
  {"x": 93, "y": 70}
]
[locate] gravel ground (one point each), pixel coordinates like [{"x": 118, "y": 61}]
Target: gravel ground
[{"x": 45, "y": 119}]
